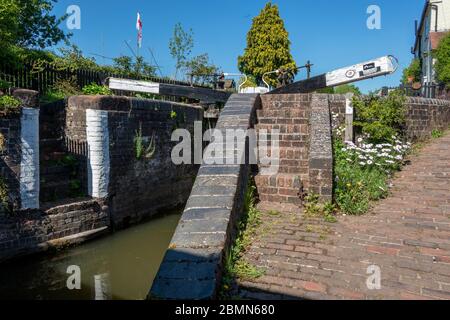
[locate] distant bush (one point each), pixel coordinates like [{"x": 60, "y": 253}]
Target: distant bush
[{"x": 95, "y": 89}]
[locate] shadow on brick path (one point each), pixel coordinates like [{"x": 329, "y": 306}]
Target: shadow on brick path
[{"x": 406, "y": 236}]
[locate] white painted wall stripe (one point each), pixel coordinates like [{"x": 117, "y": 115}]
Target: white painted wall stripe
[
  {"x": 29, "y": 163},
  {"x": 98, "y": 158}
]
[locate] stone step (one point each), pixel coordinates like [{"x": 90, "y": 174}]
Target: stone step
[{"x": 58, "y": 190}]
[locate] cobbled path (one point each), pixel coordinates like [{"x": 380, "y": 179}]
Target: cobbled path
[{"x": 406, "y": 237}]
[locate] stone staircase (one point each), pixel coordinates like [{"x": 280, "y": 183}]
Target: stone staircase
[
  {"x": 291, "y": 117},
  {"x": 59, "y": 170}
]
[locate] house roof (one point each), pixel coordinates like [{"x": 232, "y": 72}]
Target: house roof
[{"x": 436, "y": 37}]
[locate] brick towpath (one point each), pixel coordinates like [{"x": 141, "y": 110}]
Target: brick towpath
[{"x": 407, "y": 236}]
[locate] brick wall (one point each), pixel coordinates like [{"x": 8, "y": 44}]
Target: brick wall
[
  {"x": 337, "y": 107},
  {"x": 25, "y": 232},
  {"x": 289, "y": 114},
  {"x": 139, "y": 189},
  {"x": 10, "y": 156},
  {"x": 305, "y": 145},
  {"x": 425, "y": 115}
]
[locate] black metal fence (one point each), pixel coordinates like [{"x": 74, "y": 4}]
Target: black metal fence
[
  {"x": 427, "y": 90},
  {"x": 43, "y": 76}
]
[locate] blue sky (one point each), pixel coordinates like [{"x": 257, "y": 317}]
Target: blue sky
[{"x": 330, "y": 33}]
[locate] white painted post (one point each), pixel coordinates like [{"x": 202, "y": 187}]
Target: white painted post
[
  {"x": 349, "y": 118},
  {"x": 29, "y": 163},
  {"x": 98, "y": 152}
]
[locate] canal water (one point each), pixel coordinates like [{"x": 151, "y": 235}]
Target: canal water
[{"x": 119, "y": 266}]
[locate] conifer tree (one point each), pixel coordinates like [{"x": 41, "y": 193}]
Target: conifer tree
[{"x": 268, "y": 46}]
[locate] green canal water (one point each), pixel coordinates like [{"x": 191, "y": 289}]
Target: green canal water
[{"x": 126, "y": 261}]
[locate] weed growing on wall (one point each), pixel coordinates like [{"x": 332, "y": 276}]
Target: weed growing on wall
[
  {"x": 4, "y": 198},
  {"x": 2, "y": 143},
  {"x": 362, "y": 171},
  {"x": 235, "y": 266},
  {"x": 142, "y": 151},
  {"x": 9, "y": 105}
]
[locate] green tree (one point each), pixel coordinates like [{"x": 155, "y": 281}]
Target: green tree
[
  {"x": 268, "y": 46},
  {"x": 201, "y": 69},
  {"x": 9, "y": 24},
  {"x": 30, "y": 23},
  {"x": 347, "y": 88},
  {"x": 180, "y": 46},
  {"x": 442, "y": 55},
  {"x": 27, "y": 25},
  {"x": 414, "y": 71},
  {"x": 133, "y": 67}
]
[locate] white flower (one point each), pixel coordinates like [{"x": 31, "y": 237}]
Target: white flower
[
  {"x": 399, "y": 157},
  {"x": 362, "y": 163},
  {"x": 390, "y": 161},
  {"x": 360, "y": 140},
  {"x": 370, "y": 162}
]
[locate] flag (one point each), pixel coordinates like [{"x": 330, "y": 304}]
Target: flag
[{"x": 139, "y": 29}]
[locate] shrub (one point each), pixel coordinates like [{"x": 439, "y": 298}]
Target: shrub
[
  {"x": 378, "y": 118},
  {"x": 95, "y": 89},
  {"x": 4, "y": 85},
  {"x": 9, "y": 105},
  {"x": 414, "y": 71},
  {"x": 442, "y": 55},
  {"x": 62, "y": 89}
]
